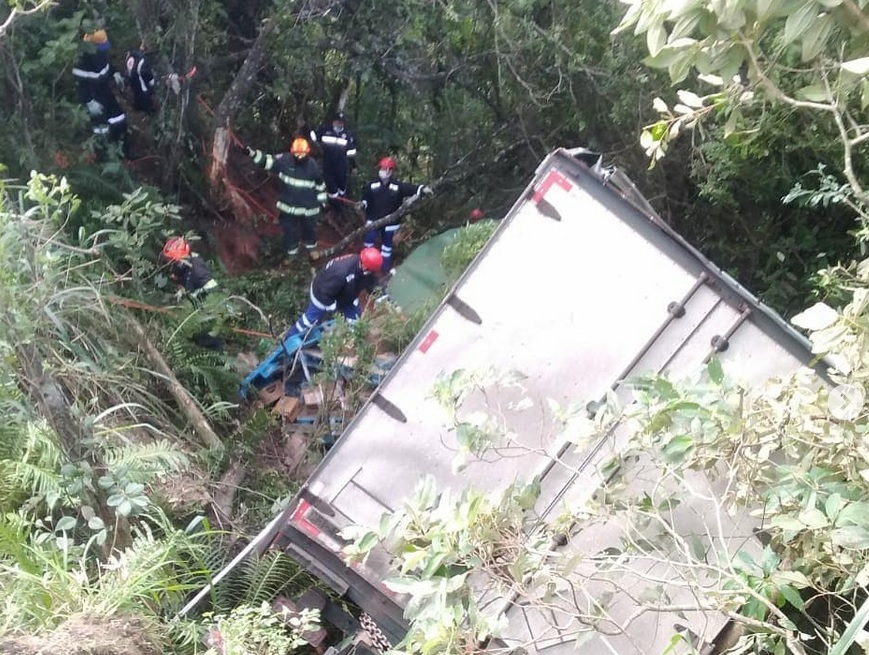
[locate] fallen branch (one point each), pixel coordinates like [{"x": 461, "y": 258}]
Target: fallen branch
[
  {"x": 185, "y": 401},
  {"x": 223, "y": 498}
]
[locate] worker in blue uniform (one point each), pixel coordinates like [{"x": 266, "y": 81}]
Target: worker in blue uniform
[
  {"x": 195, "y": 281},
  {"x": 339, "y": 154},
  {"x": 302, "y": 194},
  {"x": 140, "y": 77},
  {"x": 94, "y": 74},
  {"x": 382, "y": 197},
  {"x": 336, "y": 287}
]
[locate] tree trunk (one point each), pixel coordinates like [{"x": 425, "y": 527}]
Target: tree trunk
[
  {"x": 182, "y": 397},
  {"x": 54, "y": 404}
]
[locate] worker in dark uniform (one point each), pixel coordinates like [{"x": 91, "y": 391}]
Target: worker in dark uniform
[
  {"x": 339, "y": 154},
  {"x": 382, "y": 197},
  {"x": 195, "y": 281},
  {"x": 302, "y": 195},
  {"x": 94, "y": 74},
  {"x": 336, "y": 287},
  {"x": 140, "y": 77}
]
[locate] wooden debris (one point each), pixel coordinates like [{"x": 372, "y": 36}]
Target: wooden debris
[
  {"x": 312, "y": 397},
  {"x": 271, "y": 393},
  {"x": 288, "y": 407}
]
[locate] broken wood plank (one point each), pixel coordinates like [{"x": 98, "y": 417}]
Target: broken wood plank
[{"x": 288, "y": 407}]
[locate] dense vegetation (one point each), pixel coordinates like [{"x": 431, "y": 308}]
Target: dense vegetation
[{"x": 120, "y": 435}]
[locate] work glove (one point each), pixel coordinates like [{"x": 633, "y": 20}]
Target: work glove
[
  {"x": 119, "y": 79},
  {"x": 179, "y": 294},
  {"x": 94, "y": 108},
  {"x": 173, "y": 81},
  {"x": 427, "y": 190}
]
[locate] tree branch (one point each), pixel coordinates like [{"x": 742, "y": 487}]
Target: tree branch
[
  {"x": 17, "y": 13},
  {"x": 182, "y": 397}
]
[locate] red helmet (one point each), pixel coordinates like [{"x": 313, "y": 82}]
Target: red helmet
[
  {"x": 371, "y": 259},
  {"x": 176, "y": 248},
  {"x": 387, "y": 163},
  {"x": 300, "y": 147},
  {"x": 476, "y": 215}
]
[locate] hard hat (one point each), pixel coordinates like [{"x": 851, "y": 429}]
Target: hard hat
[
  {"x": 371, "y": 259},
  {"x": 387, "y": 163},
  {"x": 176, "y": 248},
  {"x": 96, "y": 37},
  {"x": 476, "y": 215},
  {"x": 300, "y": 147},
  {"x": 339, "y": 116}
]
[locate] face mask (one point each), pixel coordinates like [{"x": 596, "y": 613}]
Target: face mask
[
  {"x": 337, "y": 127},
  {"x": 384, "y": 174}
]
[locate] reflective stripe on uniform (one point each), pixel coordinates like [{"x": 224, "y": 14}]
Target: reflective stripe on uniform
[
  {"x": 142, "y": 84},
  {"x": 391, "y": 228},
  {"x": 296, "y": 182},
  {"x": 297, "y": 211},
  {"x": 333, "y": 140},
  {"x": 120, "y": 118},
  {"x": 205, "y": 288},
  {"x": 90, "y": 75},
  {"x": 351, "y": 152},
  {"x": 101, "y": 129},
  {"x": 320, "y": 305}
]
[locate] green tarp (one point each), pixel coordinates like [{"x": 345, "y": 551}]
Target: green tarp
[{"x": 421, "y": 277}]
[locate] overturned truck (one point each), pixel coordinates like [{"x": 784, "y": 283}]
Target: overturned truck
[{"x": 580, "y": 289}]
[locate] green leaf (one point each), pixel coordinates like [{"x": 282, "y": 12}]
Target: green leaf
[
  {"x": 714, "y": 370},
  {"x": 412, "y": 559},
  {"x": 65, "y": 523},
  {"x": 813, "y": 518},
  {"x": 656, "y": 37},
  {"x": 786, "y": 522},
  {"x": 815, "y": 38},
  {"x": 813, "y": 93},
  {"x": 855, "y": 627},
  {"x": 817, "y": 317},
  {"x": 792, "y": 596},
  {"x": 367, "y": 542},
  {"x": 857, "y": 66},
  {"x": 96, "y": 523},
  {"x": 850, "y": 537},
  {"x": 769, "y": 561},
  {"x": 799, "y": 21},
  {"x": 832, "y": 506},
  {"x": 678, "y": 446}
]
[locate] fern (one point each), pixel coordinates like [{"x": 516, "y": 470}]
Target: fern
[
  {"x": 256, "y": 580},
  {"x": 142, "y": 462}
]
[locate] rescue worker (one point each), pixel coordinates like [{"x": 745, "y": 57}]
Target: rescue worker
[
  {"x": 339, "y": 154},
  {"x": 337, "y": 286},
  {"x": 302, "y": 195},
  {"x": 140, "y": 77},
  {"x": 94, "y": 74},
  {"x": 194, "y": 279},
  {"x": 382, "y": 197}
]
